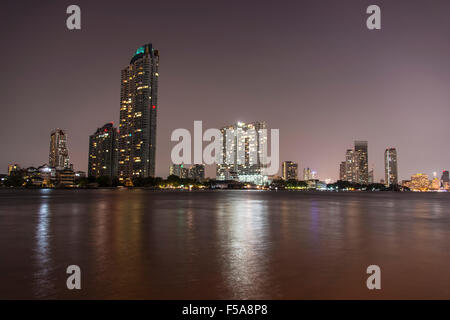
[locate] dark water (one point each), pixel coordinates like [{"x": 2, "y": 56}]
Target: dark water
[{"x": 223, "y": 244}]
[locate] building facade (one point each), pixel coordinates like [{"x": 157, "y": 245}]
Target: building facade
[
  {"x": 351, "y": 166},
  {"x": 59, "y": 153},
  {"x": 175, "y": 170},
  {"x": 197, "y": 172},
  {"x": 179, "y": 170},
  {"x": 355, "y": 168},
  {"x": 419, "y": 182},
  {"x": 65, "y": 178},
  {"x": 243, "y": 153},
  {"x": 445, "y": 177},
  {"x": 289, "y": 170},
  {"x": 138, "y": 115},
  {"x": 362, "y": 159},
  {"x": 390, "y": 167},
  {"x": 103, "y": 152}
]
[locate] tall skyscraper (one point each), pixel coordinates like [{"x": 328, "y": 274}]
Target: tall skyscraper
[
  {"x": 242, "y": 143},
  {"x": 289, "y": 170},
  {"x": 362, "y": 158},
  {"x": 390, "y": 167},
  {"x": 351, "y": 166},
  {"x": 59, "y": 154},
  {"x": 138, "y": 109},
  {"x": 103, "y": 152}
]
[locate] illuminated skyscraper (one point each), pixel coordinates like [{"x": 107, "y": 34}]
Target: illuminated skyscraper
[
  {"x": 138, "y": 108},
  {"x": 103, "y": 152},
  {"x": 243, "y": 153},
  {"x": 59, "y": 154},
  {"x": 362, "y": 159},
  {"x": 390, "y": 167},
  {"x": 351, "y": 166},
  {"x": 289, "y": 170}
]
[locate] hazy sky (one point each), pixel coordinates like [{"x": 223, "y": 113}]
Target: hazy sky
[{"x": 310, "y": 68}]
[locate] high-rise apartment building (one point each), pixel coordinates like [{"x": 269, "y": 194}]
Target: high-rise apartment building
[
  {"x": 390, "y": 167},
  {"x": 138, "y": 109},
  {"x": 59, "y": 153},
  {"x": 243, "y": 153},
  {"x": 289, "y": 170},
  {"x": 362, "y": 158},
  {"x": 355, "y": 168},
  {"x": 351, "y": 166},
  {"x": 103, "y": 152}
]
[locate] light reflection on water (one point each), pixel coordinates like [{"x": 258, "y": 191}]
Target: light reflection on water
[
  {"x": 42, "y": 252},
  {"x": 244, "y": 256},
  {"x": 223, "y": 244}
]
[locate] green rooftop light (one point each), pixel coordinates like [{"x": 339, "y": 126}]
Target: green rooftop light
[{"x": 140, "y": 50}]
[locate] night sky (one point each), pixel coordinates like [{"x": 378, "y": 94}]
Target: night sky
[{"x": 309, "y": 68}]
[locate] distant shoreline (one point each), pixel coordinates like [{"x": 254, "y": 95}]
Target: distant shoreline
[{"x": 220, "y": 189}]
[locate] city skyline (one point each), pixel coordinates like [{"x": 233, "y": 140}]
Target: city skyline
[{"x": 388, "y": 101}]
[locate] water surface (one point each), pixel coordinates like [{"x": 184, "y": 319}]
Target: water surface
[{"x": 142, "y": 244}]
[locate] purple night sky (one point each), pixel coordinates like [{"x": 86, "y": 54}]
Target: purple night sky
[{"x": 310, "y": 68}]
